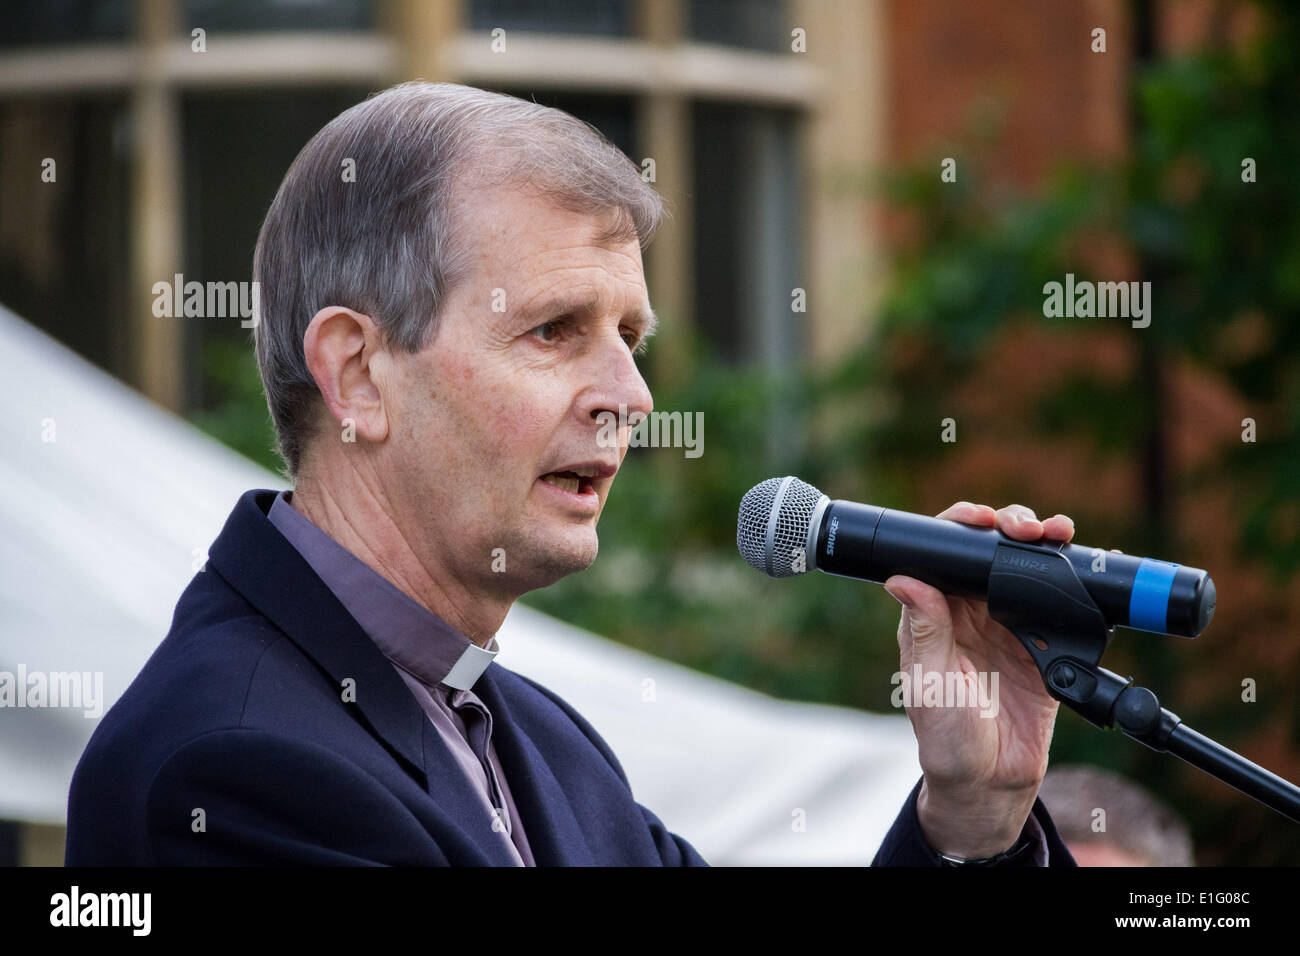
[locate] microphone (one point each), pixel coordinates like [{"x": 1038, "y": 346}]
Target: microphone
[{"x": 787, "y": 527}]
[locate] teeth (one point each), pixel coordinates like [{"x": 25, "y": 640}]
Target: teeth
[{"x": 565, "y": 484}]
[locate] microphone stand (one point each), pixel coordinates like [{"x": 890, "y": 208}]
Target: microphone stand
[{"x": 1044, "y": 604}]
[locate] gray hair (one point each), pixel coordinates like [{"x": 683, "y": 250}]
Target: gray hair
[
  {"x": 1136, "y": 822},
  {"x": 386, "y": 244}
]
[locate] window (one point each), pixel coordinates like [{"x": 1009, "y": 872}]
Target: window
[
  {"x": 752, "y": 24},
  {"x": 32, "y": 22},
  {"x": 64, "y": 244},
  {"x": 250, "y": 15},
  {"x": 748, "y": 246},
  {"x": 601, "y": 17}
]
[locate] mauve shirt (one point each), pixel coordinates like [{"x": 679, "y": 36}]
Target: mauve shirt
[{"x": 436, "y": 661}]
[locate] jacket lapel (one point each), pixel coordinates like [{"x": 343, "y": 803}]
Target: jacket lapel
[
  {"x": 258, "y": 562},
  {"x": 457, "y": 798},
  {"x": 553, "y": 832}
]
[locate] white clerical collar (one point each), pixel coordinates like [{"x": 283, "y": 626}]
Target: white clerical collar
[{"x": 471, "y": 665}]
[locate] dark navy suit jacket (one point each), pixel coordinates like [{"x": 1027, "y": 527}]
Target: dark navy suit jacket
[{"x": 235, "y": 745}]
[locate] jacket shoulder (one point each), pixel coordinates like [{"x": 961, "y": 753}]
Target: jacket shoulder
[
  {"x": 205, "y": 665},
  {"x": 197, "y": 681}
]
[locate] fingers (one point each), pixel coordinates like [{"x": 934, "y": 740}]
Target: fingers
[
  {"x": 1059, "y": 528},
  {"x": 1015, "y": 521},
  {"x": 925, "y": 632},
  {"x": 1019, "y": 522},
  {"x": 980, "y": 515}
]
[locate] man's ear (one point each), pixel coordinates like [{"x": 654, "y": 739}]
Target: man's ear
[{"x": 341, "y": 346}]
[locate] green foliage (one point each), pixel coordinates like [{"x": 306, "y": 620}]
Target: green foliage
[
  {"x": 1230, "y": 251},
  {"x": 237, "y": 413}
]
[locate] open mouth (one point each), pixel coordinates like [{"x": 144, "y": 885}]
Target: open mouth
[{"x": 570, "y": 481}]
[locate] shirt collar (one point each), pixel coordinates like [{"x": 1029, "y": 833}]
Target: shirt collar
[{"x": 408, "y": 633}]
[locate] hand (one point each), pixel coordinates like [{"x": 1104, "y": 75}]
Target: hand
[{"x": 981, "y": 773}]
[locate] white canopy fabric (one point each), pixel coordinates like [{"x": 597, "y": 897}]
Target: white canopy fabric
[{"x": 109, "y": 504}]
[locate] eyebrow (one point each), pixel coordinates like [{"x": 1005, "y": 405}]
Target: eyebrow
[{"x": 563, "y": 305}]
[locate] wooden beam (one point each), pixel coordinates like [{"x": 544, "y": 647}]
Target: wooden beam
[
  {"x": 157, "y": 344},
  {"x": 422, "y": 30}
]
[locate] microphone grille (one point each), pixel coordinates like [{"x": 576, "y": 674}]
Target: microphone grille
[{"x": 773, "y": 524}]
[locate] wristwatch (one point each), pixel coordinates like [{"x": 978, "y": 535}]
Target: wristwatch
[{"x": 1004, "y": 858}]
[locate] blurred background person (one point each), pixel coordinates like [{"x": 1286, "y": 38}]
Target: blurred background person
[{"x": 1108, "y": 820}]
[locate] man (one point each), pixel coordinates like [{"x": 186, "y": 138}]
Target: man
[{"x": 452, "y": 301}]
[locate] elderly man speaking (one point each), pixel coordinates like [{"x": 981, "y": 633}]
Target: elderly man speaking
[{"x": 452, "y": 302}]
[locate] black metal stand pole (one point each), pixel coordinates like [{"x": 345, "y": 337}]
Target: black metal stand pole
[{"x": 1233, "y": 769}]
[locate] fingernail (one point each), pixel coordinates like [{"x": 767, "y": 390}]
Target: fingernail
[{"x": 902, "y": 599}]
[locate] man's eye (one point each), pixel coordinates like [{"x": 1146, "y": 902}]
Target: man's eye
[{"x": 548, "y": 331}]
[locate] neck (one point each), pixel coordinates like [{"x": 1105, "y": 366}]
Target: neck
[{"x": 361, "y": 520}]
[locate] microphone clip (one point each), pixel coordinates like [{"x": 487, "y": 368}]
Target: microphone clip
[{"x": 1035, "y": 593}]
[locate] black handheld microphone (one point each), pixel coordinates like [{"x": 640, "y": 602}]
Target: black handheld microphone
[{"x": 787, "y": 527}]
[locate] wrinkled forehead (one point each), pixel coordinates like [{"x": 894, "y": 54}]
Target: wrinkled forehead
[{"x": 522, "y": 241}]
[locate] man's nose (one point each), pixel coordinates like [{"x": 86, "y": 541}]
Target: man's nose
[{"x": 618, "y": 383}]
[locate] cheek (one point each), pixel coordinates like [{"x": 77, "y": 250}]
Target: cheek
[
  {"x": 503, "y": 414},
  {"x": 512, "y": 430}
]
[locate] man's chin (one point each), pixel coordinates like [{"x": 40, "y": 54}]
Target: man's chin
[
  {"x": 577, "y": 555},
  {"x": 558, "y": 558}
]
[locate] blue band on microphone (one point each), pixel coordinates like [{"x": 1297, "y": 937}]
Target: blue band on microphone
[{"x": 1148, "y": 607}]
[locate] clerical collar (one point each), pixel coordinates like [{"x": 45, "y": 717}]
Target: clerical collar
[{"x": 408, "y": 633}]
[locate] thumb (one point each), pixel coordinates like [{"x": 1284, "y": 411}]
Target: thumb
[{"x": 927, "y": 623}]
